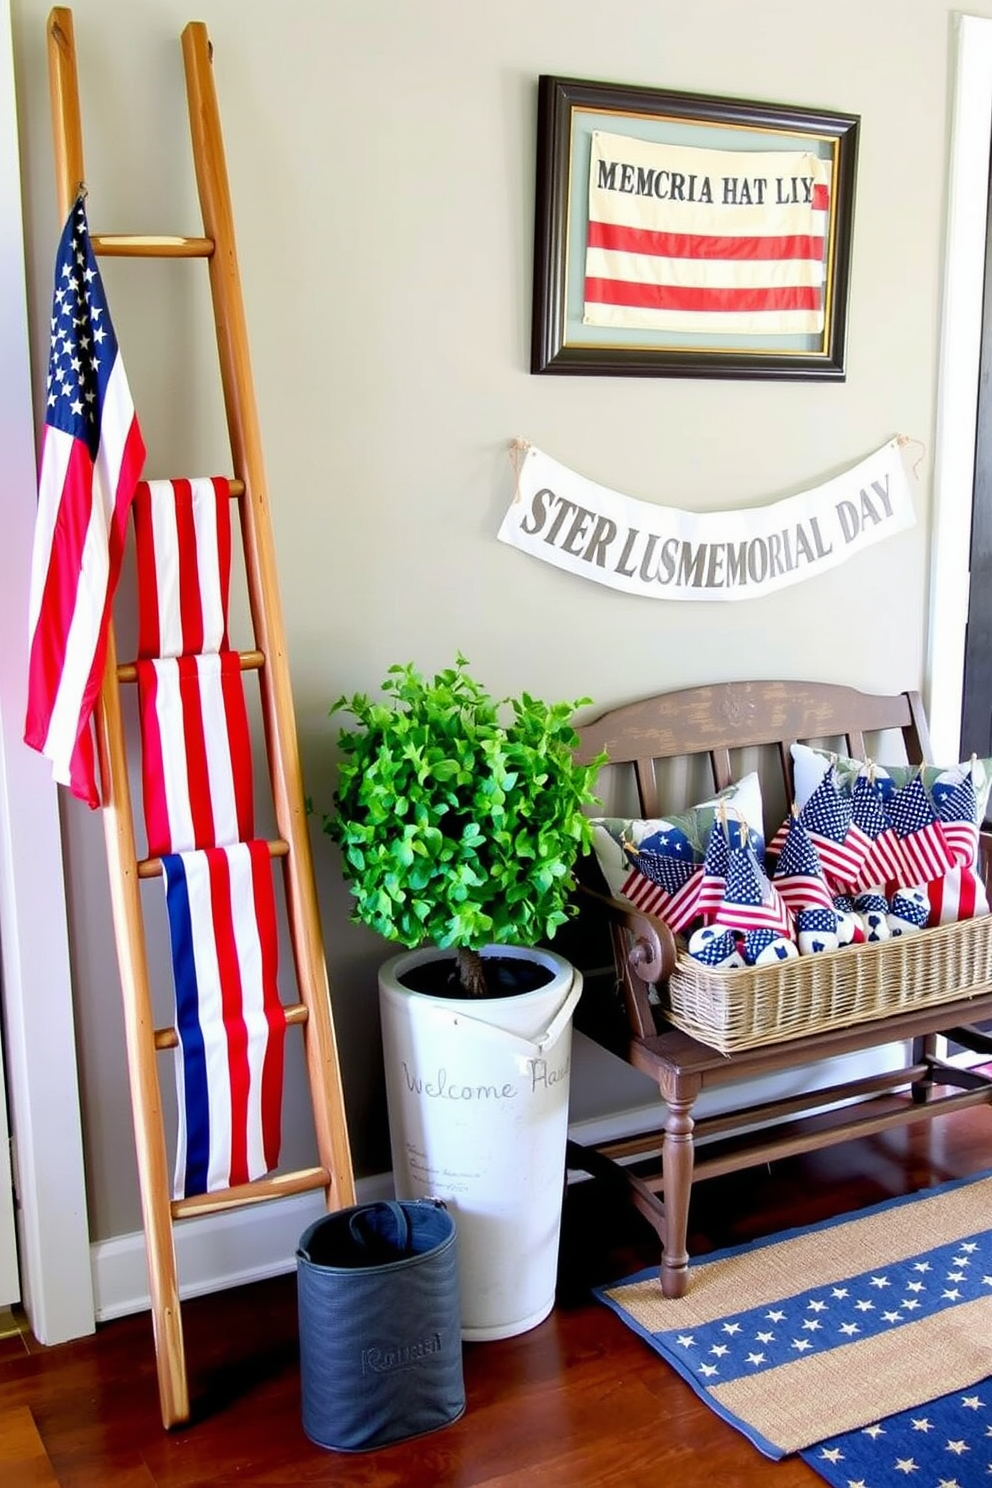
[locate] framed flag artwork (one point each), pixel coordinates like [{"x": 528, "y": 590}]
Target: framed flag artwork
[{"x": 678, "y": 235}]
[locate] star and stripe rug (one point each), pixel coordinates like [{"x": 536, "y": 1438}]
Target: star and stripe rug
[{"x": 863, "y": 1343}]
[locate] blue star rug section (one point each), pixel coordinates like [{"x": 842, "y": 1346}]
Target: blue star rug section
[
  {"x": 827, "y": 1330},
  {"x": 946, "y": 1443}
]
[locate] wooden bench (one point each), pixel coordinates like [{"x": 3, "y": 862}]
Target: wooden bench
[{"x": 659, "y": 1168}]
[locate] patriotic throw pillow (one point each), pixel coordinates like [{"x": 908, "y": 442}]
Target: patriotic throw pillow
[{"x": 655, "y": 864}]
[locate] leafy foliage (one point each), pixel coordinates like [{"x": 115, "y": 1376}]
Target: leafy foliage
[{"x": 457, "y": 828}]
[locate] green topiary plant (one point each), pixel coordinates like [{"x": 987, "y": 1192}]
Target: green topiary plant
[{"x": 457, "y": 828}]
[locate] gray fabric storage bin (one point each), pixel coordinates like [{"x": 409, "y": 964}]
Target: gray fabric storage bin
[{"x": 380, "y": 1329}]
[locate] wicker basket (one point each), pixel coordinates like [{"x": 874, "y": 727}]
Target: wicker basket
[{"x": 740, "y": 1009}]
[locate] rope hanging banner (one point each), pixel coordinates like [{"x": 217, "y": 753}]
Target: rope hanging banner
[{"x": 665, "y": 553}]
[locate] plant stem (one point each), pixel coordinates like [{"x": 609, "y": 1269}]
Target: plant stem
[{"x": 471, "y": 973}]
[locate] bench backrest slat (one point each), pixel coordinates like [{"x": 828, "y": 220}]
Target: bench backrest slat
[{"x": 722, "y": 719}]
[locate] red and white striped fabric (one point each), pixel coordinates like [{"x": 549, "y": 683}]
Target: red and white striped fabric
[
  {"x": 958, "y": 895},
  {"x": 196, "y": 750},
  {"x": 182, "y": 534},
  {"x": 231, "y": 1023},
  {"x": 688, "y": 239}
]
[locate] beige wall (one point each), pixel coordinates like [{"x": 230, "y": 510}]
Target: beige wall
[{"x": 382, "y": 168}]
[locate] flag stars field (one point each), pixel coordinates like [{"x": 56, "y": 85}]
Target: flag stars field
[{"x": 919, "y": 1442}]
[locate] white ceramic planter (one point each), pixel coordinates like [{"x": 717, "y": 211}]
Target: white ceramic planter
[{"x": 478, "y": 1116}]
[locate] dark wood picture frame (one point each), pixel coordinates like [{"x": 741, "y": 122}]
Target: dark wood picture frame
[{"x": 568, "y": 108}]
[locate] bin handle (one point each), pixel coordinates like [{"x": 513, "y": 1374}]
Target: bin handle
[
  {"x": 361, "y": 1237},
  {"x": 533, "y": 1048}
]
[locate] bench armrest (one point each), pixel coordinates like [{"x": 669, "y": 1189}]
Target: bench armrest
[{"x": 644, "y": 953}]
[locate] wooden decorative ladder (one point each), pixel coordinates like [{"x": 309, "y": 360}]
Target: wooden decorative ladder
[{"x": 268, "y": 659}]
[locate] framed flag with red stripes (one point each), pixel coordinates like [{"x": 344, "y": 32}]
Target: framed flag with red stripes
[{"x": 685, "y": 235}]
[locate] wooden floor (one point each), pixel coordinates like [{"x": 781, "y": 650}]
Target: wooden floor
[{"x": 580, "y": 1400}]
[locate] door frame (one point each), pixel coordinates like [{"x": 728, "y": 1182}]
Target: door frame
[
  {"x": 39, "y": 1035},
  {"x": 958, "y": 380}
]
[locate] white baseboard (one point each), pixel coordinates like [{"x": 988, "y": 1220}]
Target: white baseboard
[
  {"x": 215, "y": 1252},
  {"x": 242, "y": 1245}
]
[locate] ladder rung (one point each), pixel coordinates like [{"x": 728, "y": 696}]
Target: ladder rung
[
  {"x": 168, "y": 1038},
  {"x": 251, "y": 661},
  {"x": 150, "y": 245},
  {"x": 303, "y": 1181},
  {"x": 152, "y": 867}
]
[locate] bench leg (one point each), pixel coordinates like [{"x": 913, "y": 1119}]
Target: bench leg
[
  {"x": 924, "y": 1049},
  {"x": 677, "y": 1163}
]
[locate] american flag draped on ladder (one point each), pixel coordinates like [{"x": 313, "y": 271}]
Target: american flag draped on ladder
[
  {"x": 91, "y": 460},
  {"x": 689, "y": 239},
  {"x": 199, "y": 817}
]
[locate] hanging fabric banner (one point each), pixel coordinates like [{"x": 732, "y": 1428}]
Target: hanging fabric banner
[{"x": 665, "y": 553}]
